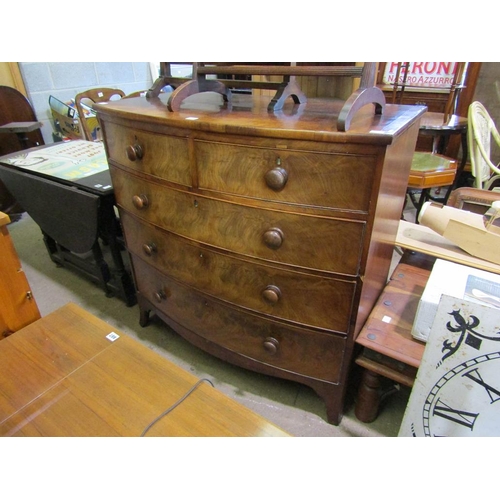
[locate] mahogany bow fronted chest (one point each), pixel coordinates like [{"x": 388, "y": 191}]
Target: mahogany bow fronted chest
[{"x": 262, "y": 237}]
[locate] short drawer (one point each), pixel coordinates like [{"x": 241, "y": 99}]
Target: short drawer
[
  {"x": 163, "y": 156},
  {"x": 321, "y": 243},
  {"x": 332, "y": 180},
  {"x": 297, "y": 350},
  {"x": 301, "y": 298}
]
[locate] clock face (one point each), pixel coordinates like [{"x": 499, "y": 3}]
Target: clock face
[
  {"x": 457, "y": 389},
  {"x": 465, "y": 400}
]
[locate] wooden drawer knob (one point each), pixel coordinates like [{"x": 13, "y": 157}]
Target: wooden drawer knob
[
  {"x": 160, "y": 296},
  {"x": 271, "y": 345},
  {"x": 273, "y": 238},
  {"x": 149, "y": 249},
  {"x": 134, "y": 152},
  {"x": 140, "y": 201},
  {"x": 271, "y": 294},
  {"x": 276, "y": 178}
]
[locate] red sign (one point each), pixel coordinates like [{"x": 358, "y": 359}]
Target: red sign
[{"x": 421, "y": 74}]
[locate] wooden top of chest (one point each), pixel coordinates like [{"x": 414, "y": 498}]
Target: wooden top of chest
[{"x": 314, "y": 120}]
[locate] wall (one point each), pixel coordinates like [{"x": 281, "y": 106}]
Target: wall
[{"x": 66, "y": 79}]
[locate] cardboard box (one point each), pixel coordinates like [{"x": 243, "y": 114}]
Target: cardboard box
[
  {"x": 67, "y": 121},
  {"x": 455, "y": 280}
]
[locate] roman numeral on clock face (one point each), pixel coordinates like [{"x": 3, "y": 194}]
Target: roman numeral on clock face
[
  {"x": 475, "y": 376},
  {"x": 465, "y": 418}
]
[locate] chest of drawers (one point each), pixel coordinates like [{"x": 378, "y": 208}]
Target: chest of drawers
[{"x": 262, "y": 238}]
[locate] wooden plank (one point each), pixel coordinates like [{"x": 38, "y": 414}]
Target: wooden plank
[
  {"x": 423, "y": 239},
  {"x": 352, "y": 71},
  {"x": 474, "y": 239}
]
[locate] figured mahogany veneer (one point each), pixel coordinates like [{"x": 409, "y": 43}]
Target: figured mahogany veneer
[{"x": 262, "y": 237}]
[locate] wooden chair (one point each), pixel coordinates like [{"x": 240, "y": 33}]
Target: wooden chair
[
  {"x": 84, "y": 99},
  {"x": 482, "y": 134},
  {"x": 473, "y": 199},
  {"x": 223, "y": 77},
  {"x": 14, "y": 107},
  {"x": 137, "y": 93}
]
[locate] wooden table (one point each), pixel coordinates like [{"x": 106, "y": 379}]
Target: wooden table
[
  {"x": 429, "y": 170},
  {"x": 432, "y": 124},
  {"x": 62, "y": 376},
  {"x": 66, "y": 188},
  {"x": 388, "y": 348}
]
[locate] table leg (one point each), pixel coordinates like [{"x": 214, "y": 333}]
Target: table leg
[
  {"x": 144, "y": 311},
  {"x": 23, "y": 140},
  {"x": 110, "y": 230},
  {"x": 63, "y": 257},
  {"x": 103, "y": 268},
  {"x": 368, "y": 399}
]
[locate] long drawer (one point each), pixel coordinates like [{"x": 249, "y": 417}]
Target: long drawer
[
  {"x": 164, "y": 156},
  {"x": 302, "y": 298},
  {"x": 297, "y": 350},
  {"x": 332, "y": 180},
  {"x": 321, "y": 243}
]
